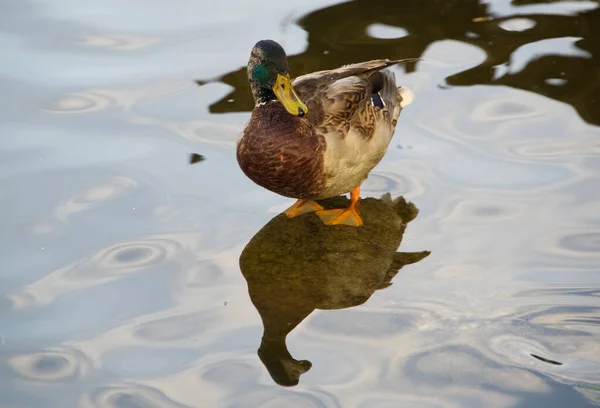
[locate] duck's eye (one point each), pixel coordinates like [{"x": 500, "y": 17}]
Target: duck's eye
[{"x": 282, "y": 86}]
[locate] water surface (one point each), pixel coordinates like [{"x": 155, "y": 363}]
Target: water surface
[{"x": 121, "y": 283}]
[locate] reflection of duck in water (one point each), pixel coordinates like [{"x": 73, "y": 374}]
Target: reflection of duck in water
[{"x": 296, "y": 265}]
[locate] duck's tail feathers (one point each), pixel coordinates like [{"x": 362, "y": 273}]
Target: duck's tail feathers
[{"x": 404, "y": 96}]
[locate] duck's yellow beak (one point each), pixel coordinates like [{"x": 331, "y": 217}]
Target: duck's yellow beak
[{"x": 288, "y": 97}]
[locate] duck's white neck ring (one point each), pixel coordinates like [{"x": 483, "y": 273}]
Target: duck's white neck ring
[{"x": 264, "y": 103}]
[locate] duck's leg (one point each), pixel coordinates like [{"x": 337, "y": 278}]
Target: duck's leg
[
  {"x": 348, "y": 216},
  {"x": 302, "y": 207}
]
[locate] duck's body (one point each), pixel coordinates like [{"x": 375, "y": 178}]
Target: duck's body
[{"x": 323, "y": 139}]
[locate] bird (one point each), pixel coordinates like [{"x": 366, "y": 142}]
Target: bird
[{"x": 319, "y": 135}]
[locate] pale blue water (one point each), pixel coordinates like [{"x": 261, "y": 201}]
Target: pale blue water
[{"x": 119, "y": 278}]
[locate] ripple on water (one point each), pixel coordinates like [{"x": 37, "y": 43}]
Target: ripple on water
[
  {"x": 587, "y": 242},
  {"x": 185, "y": 213},
  {"x": 500, "y": 109},
  {"x": 277, "y": 398},
  {"x": 572, "y": 318},
  {"x": 484, "y": 211},
  {"x": 451, "y": 366},
  {"x": 482, "y": 117},
  {"x": 564, "y": 293},
  {"x": 552, "y": 149},
  {"x": 48, "y": 226},
  {"x": 107, "y": 264},
  {"x": 85, "y": 200},
  {"x": 50, "y": 366},
  {"x": 481, "y": 129},
  {"x": 210, "y": 133},
  {"x": 488, "y": 174},
  {"x": 382, "y": 182},
  {"x": 205, "y": 273},
  {"x": 128, "y": 396},
  {"x": 354, "y": 323},
  {"x": 407, "y": 401},
  {"x": 126, "y": 257},
  {"x": 566, "y": 365},
  {"x": 580, "y": 246},
  {"x": 231, "y": 372},
  {"x": 336, "y": 366},
  {"x": 178, "y": 327},
  {"x": 82, "y": 201},
  {"x": 119, "y": 42},
  {"x": 87, "y": 102},
  {"x": 145, "y": 363}
]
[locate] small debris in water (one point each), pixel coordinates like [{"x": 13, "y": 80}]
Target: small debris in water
[
  {"x": 225, "y": 303},
  {"x": 545, "y": 360},
  {"x": 481, "y": 19},
  {"x": 195, "y": 158}
]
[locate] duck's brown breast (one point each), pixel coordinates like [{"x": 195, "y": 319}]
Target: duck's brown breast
[{"x": 282, "y": 153}]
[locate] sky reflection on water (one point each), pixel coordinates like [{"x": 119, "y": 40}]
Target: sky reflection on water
[{"x": 121, "y": 285}]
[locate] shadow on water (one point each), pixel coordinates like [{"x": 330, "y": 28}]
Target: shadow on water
[
  {"x": 337, "y": 35},
  {"x": 294, "y": 266}
]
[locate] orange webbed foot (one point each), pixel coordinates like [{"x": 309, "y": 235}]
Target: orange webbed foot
[
  {"x": 348, "y": 216},
  {"x": 302, "y": 207}
]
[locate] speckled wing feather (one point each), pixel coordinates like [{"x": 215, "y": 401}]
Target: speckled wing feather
[{"x": 340, "y": 99}]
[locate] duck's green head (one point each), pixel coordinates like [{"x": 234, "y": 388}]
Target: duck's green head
[{"x": 269, "y": 77}]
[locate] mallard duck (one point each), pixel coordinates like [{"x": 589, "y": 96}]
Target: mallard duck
[{"x": 319, "y": 135}]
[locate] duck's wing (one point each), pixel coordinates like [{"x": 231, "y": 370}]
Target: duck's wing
[{"x": 355, "y": 96}]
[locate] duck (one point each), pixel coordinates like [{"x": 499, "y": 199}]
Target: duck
[{"x": 319, "y": 135}]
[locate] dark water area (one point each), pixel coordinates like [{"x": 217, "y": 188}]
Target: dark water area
[{"x": 132, "y": 278}]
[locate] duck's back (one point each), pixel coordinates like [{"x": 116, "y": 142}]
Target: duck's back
[{"x": 356, "y": 109}]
